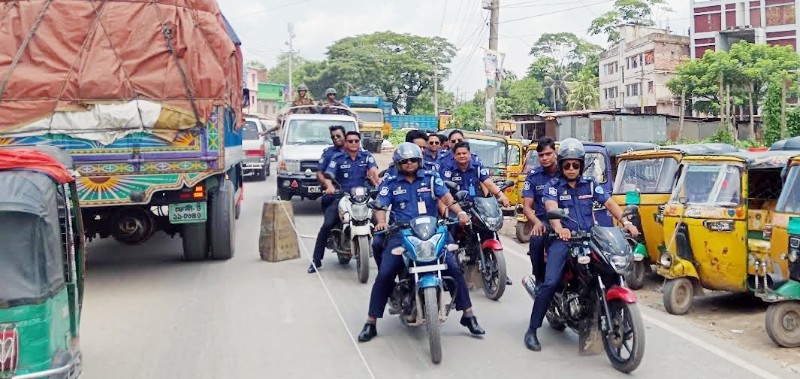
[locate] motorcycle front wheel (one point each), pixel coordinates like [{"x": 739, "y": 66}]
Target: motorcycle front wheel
[
  {"x": 360, "y": 248},
  {"x": 624, "y": 343},
  {"x": 494, "y": 274},
  {"x": 431, "y": 300}
]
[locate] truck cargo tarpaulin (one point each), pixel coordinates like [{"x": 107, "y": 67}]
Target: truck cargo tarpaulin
[{"x": 101, "y": 70}]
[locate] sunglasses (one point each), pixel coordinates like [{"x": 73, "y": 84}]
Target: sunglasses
[
  {"x": 572, "y": 166},
  {"x": 456, "y": 140},
  {"x": 336, "y": 136},
  {"x": 434, "y": 142},
  {"x": 353, "y": 141},
  {"x": 409, "y": 160}
]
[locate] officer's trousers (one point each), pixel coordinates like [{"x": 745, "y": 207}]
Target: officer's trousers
[
  {"x": 557, "y": 254},
  {"x": 328, "y": 223},
  {"x": 536, "y": 253}
]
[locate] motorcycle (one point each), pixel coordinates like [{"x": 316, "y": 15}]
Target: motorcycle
[
  {"x": 474, "y": 248},
  {"x": 352, "y": 238},
  {"x": 417, "y": 296},
  {"x": 593, "y": 299}
]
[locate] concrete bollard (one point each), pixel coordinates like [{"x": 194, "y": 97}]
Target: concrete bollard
[{"x": 278, "y": 239}]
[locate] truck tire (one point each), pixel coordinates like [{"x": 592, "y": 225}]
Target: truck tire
[
  {"x": 195, "y": 242},
  {"x": 222, "y": 228},
  {"x": 376, "y": 148}
]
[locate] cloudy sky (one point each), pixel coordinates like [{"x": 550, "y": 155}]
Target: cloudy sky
[{"x": 262, "y": 27}]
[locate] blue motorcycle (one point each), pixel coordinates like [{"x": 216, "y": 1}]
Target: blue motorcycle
[{"x": 417, "y": 296}]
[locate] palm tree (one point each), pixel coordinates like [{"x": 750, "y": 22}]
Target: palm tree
[
  {"x": 585, "y": 93},
  {"x": 556, "y": 84}
]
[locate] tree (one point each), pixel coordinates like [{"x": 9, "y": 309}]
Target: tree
[
  {"x": 255, "y": 64},
  {"x": 468, "y": 116},
  {"x": 772, "y": 112},
  {"x": 638, "y": 12},
  {"x": 424, "y": 103},
  {"x": 520, "y": 97},
  {"x": 560, "y": 57},
  {"x": 280, "y": 72},
  {"x": 556, "y": 87},
  {"x": 584, "y": 94},
  {"x": 399, "y": 66}
]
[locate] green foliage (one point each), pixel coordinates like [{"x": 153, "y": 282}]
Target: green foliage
[
  {"x": 424, "y": 102},
  {"x": 519, "y": 96},
  {"x": 255, "y": 64},
  {"x": 469, "y": 116},
  {"x": 559, "y": 59},
  {"x": 638, "y": 12},
  {"x": 722, "y": 135},
  {"x": 397, "y": 137},
  {"x": 771, "y": 120},
  {"x": 584, "y": 93}
]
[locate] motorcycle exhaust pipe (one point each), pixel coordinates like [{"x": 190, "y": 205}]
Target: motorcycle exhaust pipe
[{"x": 530, "y": 285}]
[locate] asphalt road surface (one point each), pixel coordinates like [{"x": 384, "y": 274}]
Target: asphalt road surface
[{"x": 148, "y": 314}]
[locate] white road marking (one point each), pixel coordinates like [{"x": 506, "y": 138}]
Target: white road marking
[{"x": 675, "y": 331}]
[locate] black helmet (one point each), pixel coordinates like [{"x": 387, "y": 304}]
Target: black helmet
[
  {"x": 571, "y": 148},
  {"x": 302, "y": 87},
  {"x": 330, "y": 91},
  {"x": 406, "y": 150}
]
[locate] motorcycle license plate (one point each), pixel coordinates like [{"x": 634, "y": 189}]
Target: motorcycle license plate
[
  {"x": 186, "y": 213},
  {"x": 314, "y": 189},
  {"x": 439, "y": 267}
]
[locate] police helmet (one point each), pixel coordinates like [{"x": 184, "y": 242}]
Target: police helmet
[
  {"x": 571, "y": 149},
  {"x": 302, "y": 87},
  {"x": 406, "y": 150},
  {"x": 330, "y": 91}
]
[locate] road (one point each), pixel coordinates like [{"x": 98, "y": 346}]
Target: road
[{"x": 147, "y": 314}]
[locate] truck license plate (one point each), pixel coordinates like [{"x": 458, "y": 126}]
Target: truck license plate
[
  {"x": 186, "y": 213},
  {"x": 314, "y": 189}
]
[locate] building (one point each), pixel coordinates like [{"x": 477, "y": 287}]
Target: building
[
  {"x": 253, "y": 76},
  {"x": 270, "y": 98},
  {"x": 634, "y": 72},
  {"x": 717, "y": 24}
]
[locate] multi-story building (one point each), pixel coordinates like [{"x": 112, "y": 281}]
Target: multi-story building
[
  {"x": 254, "y": 75},
  {"x": 634, "y": 72},
  {"x": 271, "y": 98},
  {"x": 717, "y": 24}
]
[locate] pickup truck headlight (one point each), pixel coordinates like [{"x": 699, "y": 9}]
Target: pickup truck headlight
[{"x": 289, "y": 165}]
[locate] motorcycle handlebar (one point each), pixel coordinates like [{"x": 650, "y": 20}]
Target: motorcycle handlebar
[
  {"x": 405, "y": 225},
  {"x": 577, "y": 236}
]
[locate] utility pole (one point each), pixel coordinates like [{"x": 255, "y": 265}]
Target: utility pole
[
  {"x": 491, "y": 105},
  {"x": 436, "y": 88},
  {"x": 291, "y": 56}
]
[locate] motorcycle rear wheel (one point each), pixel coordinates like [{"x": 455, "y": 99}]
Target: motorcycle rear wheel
[
  {"x": 626, "y": 336},
  {"x": 494, "y": 274},
  {"x": 431, "y": 300}
]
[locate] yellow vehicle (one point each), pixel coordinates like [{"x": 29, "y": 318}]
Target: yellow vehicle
[
  {"x": 516, "y": 151},
  {"x": 645, "y": 178},
  {"x": 491, "y": 149},
  {"x": 714, "y": 222},
  {"x": 373, "y": 124},
  {"x": 523, "y": 229}
]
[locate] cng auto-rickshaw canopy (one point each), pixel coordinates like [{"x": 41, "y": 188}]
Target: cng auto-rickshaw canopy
[
  {"x": 31, "y": 252},
  {"x": 49, "y": 160}
]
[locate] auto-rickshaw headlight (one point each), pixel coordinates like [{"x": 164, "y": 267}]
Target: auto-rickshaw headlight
[
  {"x": 792, "y": 256},
  {"x": 665, "y": 260},
  {"x": 719, "y": 225}
]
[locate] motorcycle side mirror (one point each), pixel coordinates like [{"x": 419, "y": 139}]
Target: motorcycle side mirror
[
  {"x": 630, "y": 210},
  {"x": 451, "y": 185},
  {"x": 555, "y": 214},
  {"x": 461, "y": 195}
]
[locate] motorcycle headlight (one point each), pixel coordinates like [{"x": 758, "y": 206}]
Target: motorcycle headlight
[
  {"x": 493, "y": 223},
  {"x": 426, "y": 250},
  {"x": 360, "y": 212},
  {"x": 620, "y": 262}
]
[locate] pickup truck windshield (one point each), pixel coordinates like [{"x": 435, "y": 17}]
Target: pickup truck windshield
[{"x": 314, "y": 132}]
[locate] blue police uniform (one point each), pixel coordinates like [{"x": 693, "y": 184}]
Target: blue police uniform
[
  {"x": 579, "y": 202},
  {"x": 324, "y": 161},
  {"x": 533, "y": 189},
  {"x": 446, "y": 156},
  {"x": 349, "y": 173},
  {"x": 429, "y": 159},
  {"x": 468, "y": 179},
  {"x": 409, "y": 200}
]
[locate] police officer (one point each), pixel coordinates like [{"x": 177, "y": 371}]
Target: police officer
[
  {"x": 533, "y": 204},
  {"x": 352, "y": 167},
  {"x": 337, "y": 137},
  {"x": 573, "y": 192},
  {"x": 410, "y": 195},
  {"x": 434, "y": 148}
]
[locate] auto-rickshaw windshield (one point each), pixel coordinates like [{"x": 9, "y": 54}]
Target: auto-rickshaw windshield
[
  {"x": 654, "y": 175},
  {"x": 531, "y": 162},
  {"x": 716, "y": 184},
  {"x": 789, "y": 201},
  {"x": 596, "y": 167},
  {"x": 492, "y": 153}
]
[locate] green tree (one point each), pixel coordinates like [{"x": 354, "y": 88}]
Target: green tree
[
  {"x": 520, "y": 96},
  {"x": 424, "y": 103},
  {"x": 468, "y": 116},
  {"x": 638, "y": 12},
  {"x": 399, "y": 66},
  {"x": 772, "y": 112},
  {"x": 584, "y": 93},
  {"x": 255, "y": 64},
  {"x": 558, "y": 59},
  {"x": 280, "y": 72}
]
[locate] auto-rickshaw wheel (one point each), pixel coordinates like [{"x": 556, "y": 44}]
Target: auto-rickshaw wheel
[
  {"x": 678, "y": 296},
  {"x": 783, "y": 323},
  {"x": 523, "y": 232},
  {"x": 195, "y": 242}
]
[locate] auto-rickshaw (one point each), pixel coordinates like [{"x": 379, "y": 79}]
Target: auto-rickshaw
[
  {"x": 41, "y": 264},
  {"x": 645, "y": 178},
  {"x": 713, "y": 226},
  {"x": 782, "y": 319},
  {"x": 523, "y": 228},
  {"x": 516, "y": 151}
]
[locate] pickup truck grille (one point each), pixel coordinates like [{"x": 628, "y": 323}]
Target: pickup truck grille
[{"x": 308, "y": 165}]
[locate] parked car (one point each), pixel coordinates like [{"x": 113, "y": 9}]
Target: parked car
[{"x": 256, "y": 148}]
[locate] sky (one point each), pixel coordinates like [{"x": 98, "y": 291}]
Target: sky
[{"x": 263, "y": 27}]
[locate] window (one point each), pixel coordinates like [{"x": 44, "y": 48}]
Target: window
[
  {"x": 650, "y": 87},
  {"x": 513, "y": 155},
  {"x": 610, "y": 93},
  {"x": 632, "y": 89},
  {"x": 611, "y": 68},
  {"x": 780, "y": 15},
  {"x": 649, "y": 57},
  {"x": 653, "y": 175},
  {"x": 710, "y": 184}
]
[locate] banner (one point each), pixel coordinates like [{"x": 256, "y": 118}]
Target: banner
[{"x": 490, "y": 67}]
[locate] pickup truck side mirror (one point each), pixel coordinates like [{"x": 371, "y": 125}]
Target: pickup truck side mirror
[{"x": 276, "y": 141}]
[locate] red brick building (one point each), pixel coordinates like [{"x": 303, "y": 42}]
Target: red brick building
[{"x": 717, "y": 24}]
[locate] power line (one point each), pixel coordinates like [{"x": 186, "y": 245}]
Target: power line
[
  {"x": 269, "y": 9},
  {"x": 444, "y": 17},
  {"x": 556, "y": 11}
]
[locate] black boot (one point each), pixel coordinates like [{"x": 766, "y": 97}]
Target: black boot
[
  {"x": 312, "y": 269},
  {"x": 531, "y": 341},
  {"x": 367, "y": 333},
  {"x": 508, "y": 281},
  {"x": 471, "y": 322}
]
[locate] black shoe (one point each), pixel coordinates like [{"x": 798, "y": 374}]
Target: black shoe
[
  {"x": 312, "y": 269},
  {"x": 472, "y": 324},
  {"x": 531, "y": 341},
  {"x": 508, "y": 281},
  {"x": 367, "y": 333}
]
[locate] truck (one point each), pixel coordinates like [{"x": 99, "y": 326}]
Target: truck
[
  {"x": 147, "y": 99},
  {"x": 372, "y": 115}
]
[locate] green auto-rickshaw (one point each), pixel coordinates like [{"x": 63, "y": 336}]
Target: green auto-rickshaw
[{"x": 41, "y": 264}]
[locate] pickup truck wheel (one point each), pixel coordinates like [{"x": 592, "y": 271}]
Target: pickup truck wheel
[
  {"x": 195, "y": 242},
  {"x": 222, "y": 230}
]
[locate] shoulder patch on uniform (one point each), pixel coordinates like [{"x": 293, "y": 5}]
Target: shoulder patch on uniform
[
  {"x": 484, "y": 172},
  {"x": 321, "y": 160},
  {"x": 552, "y": 191},
  {"x": 439, "y": 181},
  {"x": 599, "y": 190},
  {"x": 527, "y": 186},
  {"x": 370, "y": 159},
  {"x": 384, "y": 191},
  {"x": 332, "y": 164}
]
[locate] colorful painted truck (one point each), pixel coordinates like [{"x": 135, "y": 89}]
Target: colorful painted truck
[{"x": 146, "y": 97}]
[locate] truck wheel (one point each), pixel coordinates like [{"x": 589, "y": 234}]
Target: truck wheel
[
  {"x": 376, "y": 148},
  {"x": 222, "y": 229},
  {"x": 195, "y": 242}
]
